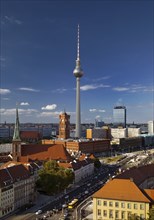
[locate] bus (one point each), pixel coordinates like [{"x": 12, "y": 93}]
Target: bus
[{"x": 72, "y": 204}]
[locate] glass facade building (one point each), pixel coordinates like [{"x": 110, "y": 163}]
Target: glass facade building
[{"x": 119, "y": 116}]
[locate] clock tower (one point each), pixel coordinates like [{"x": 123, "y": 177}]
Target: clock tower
[{"x": 64, "y": 126}]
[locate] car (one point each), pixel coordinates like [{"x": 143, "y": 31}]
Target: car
[
  {"x": 64, "y": 206},
  {"x": 38, "y": 212}
]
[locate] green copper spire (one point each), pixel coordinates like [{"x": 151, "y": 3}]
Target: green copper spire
[{"x": 16, "y": 135}]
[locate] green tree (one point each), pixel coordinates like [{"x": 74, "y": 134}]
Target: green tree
[
  {"x": 53, "y": 178},
  {"x": 134, "y": 217},
  {"x": 97, "y": 163},
  {"x": 151, "y": 214}
]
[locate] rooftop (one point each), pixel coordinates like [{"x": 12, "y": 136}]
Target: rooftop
[{"x": 122, "y": 189}]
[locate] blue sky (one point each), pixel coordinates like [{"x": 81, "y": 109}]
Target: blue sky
[{"x": 38, "y": 53}]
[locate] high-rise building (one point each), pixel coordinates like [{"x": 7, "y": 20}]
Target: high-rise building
[
  {"x": 119, "y": 116},
  {"x": 78, "y": 73},
  {"x": 150, "y": 127},
  {"x": 99, "y": 123}
]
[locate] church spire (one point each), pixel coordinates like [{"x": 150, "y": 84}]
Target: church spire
[{"x": 16, "y": 135}]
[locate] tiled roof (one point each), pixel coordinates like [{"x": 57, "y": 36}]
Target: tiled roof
[
  {"x": 9, "y": 164},
  {"x": 139, "y": 174},
  {"x": 92, "y": 156},
  {"x": 31, "y": 167},
  {"x": 29, "y": 134},
  {"x": 13, "y": 174},
  {"x": 121, "y": 189},
  {"x": 82, "y": 157},
  {"x": 66, "y": 165},
  {"x": 44, "y": 152},
  {"x": 4, "y": 159},
  {"x": 150, "y": 193},
  {"x": 76, "y": 165}
]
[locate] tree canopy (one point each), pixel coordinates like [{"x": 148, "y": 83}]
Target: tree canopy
[
  {"x": 97, "y": 163},
  {"x": 53, "y": 178}
]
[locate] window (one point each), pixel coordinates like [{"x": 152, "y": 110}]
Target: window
[
  {"x": 105, "y": 203},
  {"x": 104, "y": 213},
  {"x": 129, "y": 205},
  {"x": 110, "y": 204},
  {"x": 122, "y": 205},
  {"x": 141, "y": 206},
  {"x": 135, "y": 206},
  {"x": 142, "y": 216},
  {"x": 110, "y": 213},
  {"x": 116, "y": 214},
  {"x": 98, "y": 211},
  {"x": 98, "y": 202},
  {"x": 129, "y": 215},
  {"x": 123, "y": 215},
  {"x": 116, "y": 204}
]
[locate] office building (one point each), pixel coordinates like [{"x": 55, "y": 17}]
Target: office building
[
  {"x": 150, "y": 127},
  {"x": 98, "y": 133},
  {"x": 99, "y": 123},
  {"x": 119, "y": 116}
]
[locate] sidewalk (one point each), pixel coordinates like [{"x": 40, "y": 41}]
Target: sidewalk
[{"x": 41, "y": 201}]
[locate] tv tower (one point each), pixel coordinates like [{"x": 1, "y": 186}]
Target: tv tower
[{"x": 78, "y": 73}]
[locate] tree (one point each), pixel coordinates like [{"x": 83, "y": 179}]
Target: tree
[
  {"x": 134, "y": 217},
  {"x": 53, "y": 178},
  {"x": 97, "y": 163},
  {"x": 151, "y": 214}
]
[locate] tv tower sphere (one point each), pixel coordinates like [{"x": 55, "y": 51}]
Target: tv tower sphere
[{"x": 78, "y": 73}]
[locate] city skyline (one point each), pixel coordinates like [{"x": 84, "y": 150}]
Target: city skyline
[{"x": 38, "y": 54}]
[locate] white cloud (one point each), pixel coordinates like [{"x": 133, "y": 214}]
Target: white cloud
[
  {"x": 61, "y": 90},
  {"x": 101, "y": 78},
  {"x": 9, "y": 112},
  {"x": 53, "y": 114},
  {"x": 12, "y": 20},
  {"x": 28, "y": 89},
  {"x": 24, "y": 103},
  {"x": 149, "y": 90},
  {"x": 121, "y": 89},
  {"x": 27, "y": 111},
  {"x": 2, "y": 59},
  {"x": 5, "y": 99},
  {"x": 134, "y": 88},
  {"x": 49, "y": 114},
  {"x": 96, "y": 110},
  {"x": 49, "y": 107},
  {"x": 91, "y": 86},
  {"x": 101, "y": 110},
  {"x": 93, "y": 110},
  {"x": 98, "y": 116},
  {"x": 4, "y": 91}
]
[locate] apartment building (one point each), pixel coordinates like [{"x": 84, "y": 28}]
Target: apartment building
[
  {"x": 17, "y": 188},
  {"x": 81, "y": 168}
]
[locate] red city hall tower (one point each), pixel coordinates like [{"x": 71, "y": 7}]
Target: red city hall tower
[{"x": 64, "y": 126}]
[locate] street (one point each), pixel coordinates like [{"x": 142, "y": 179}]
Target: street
[{"x": 54, "y": 206}]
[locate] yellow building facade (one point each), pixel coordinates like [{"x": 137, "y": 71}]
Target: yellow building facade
[{"x": 120, "y": 199}]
